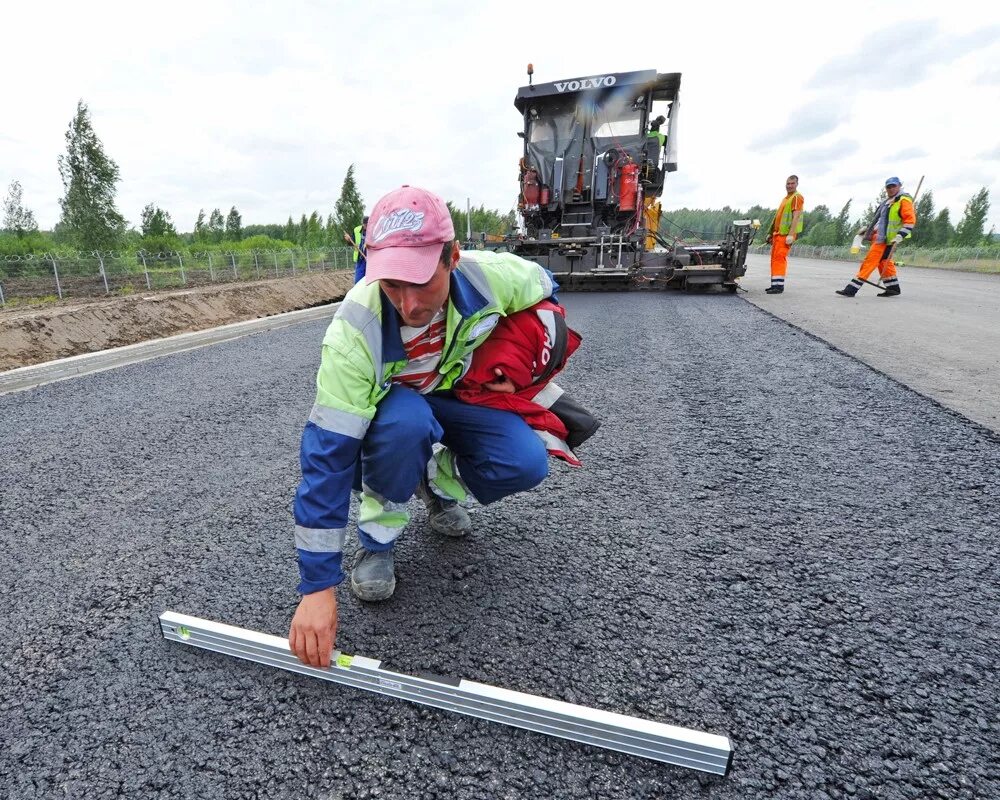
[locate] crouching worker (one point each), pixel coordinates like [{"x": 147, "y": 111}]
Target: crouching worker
[
  {"x": 514, "y": 368},
  {"x": 399, "y": 342}
]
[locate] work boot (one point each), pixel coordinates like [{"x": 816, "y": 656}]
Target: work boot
[
  {"x": 890, "y": 291},
  {"x": 374, "y": 576},
  {"x": 444, "y": 516},
  {"x": 851, "y": 289},
  {"x": 774, "y": 289}
]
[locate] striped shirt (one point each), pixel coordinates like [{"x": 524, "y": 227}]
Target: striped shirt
[{"x": 423, "y": 348}]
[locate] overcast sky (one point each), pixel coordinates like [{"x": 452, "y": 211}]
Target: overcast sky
[{"x": 210, "y": 104}]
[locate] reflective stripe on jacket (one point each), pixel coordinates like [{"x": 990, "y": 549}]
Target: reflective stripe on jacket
[{"x": 362, "y": 350}]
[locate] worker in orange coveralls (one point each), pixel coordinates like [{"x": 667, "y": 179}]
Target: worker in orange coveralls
[
  {"x": 785, "y": 229},
  {"x": 893, "y": 223}
]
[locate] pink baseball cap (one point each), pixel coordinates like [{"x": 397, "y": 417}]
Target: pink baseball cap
[{"x": 406, "y": 231}]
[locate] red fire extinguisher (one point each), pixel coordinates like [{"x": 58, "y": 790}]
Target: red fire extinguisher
[
  {"x": 529, "y": 190},
  {"x": 628, "y": 186}
]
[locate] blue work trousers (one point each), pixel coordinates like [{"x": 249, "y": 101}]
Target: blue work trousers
[{"x": 497, "y": 453}]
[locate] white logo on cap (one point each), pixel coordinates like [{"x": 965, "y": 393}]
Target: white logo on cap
[{"x": 402, "y": 219}]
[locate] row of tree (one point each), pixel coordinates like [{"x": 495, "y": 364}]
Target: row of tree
[
  {"x": 934, "y": 228},
  {"x": 90, "y": 219}
]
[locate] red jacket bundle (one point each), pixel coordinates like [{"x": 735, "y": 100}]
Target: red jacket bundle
[{"x": 530, "y": 348}]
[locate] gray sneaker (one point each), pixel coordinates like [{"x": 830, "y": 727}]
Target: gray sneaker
[
  {"x": 444, "y": 516},
  {"x": 373, "y": 577}
]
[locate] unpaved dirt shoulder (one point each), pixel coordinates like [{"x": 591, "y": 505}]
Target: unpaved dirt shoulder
[{"x": 39, "y": 335}]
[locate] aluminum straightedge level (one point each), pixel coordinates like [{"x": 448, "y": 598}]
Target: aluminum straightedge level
[{"x": 640, "y": 737}]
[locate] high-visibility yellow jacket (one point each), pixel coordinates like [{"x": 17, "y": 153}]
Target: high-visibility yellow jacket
[
  {"x": 362, "y": 350},
  {"x": 783, "y": 216},
  {"x": 357, "y": 242},
  {"x": 894, "y": 215}
]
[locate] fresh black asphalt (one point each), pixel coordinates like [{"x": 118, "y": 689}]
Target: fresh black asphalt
[{"x": 768, "y": 540}]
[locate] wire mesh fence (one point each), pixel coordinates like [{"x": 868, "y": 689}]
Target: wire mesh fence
[
  {"x": 972, "y": 259},
  {"x": 68, "y": 275}
]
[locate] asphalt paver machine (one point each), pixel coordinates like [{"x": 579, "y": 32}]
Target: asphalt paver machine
[{"x": 597, "y": 150}]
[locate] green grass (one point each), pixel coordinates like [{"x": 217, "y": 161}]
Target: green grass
[
  {"x": 962, "y": 265},
  {"x": 957, "y": 259},
  {"x": 13, "y": 303}
]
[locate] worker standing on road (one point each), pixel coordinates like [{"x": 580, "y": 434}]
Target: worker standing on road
[
  {"x": 785, "y": 229},
  {"x": 893, "y": 222},
  {"x": 398, "y": 344},
  {"x": 358, "y": 242}
]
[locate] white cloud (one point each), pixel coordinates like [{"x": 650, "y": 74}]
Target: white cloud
[
  {"x": 804, "y": 124},
  {"x": 907, "y": 154},
  {"x": 831, "y": 151},
  {"x": 971, "y": 177},
  {"x": 990, "y": 77},
  {"x": 211, "y": 104},
  {"x": 901, "y": 53}
]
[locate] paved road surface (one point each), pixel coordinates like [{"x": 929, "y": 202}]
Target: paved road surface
[
  {"x": 940, "y": 337},
  {"x": 735, "y": 556}
]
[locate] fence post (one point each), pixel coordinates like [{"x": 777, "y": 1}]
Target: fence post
[
  {"x": 2, "y": 301},
  {"x": 55, "y": 269},
  {"x": 291, "y": 257},
  {"x": 104, "y": 274},
  {"x": 180, "y": 260},
  {"x": 275, "y": 263},
  {"x": 256, "y": 264},
  {"x": 232, "y": 257},
  {"x": 145, "y": 269},
  {"x": 211, "y": 272}
]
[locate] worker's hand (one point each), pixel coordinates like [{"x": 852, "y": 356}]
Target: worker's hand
[
  {"x": 501, "y": 384},
  {"x": 897, "y": 238},
  {"x": 314, "y": 628},
  {"x": 790, "y": 238}
]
